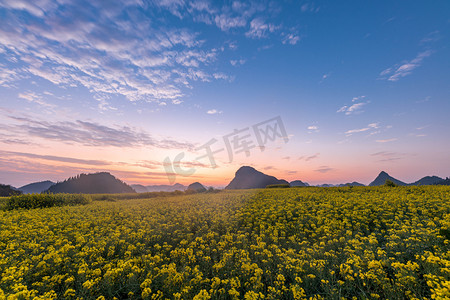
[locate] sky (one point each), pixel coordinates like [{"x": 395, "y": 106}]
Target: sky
[{"x": 158, "y": 92}]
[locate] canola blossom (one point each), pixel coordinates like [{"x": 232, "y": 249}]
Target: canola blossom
[{"x": 296, "y": 243}]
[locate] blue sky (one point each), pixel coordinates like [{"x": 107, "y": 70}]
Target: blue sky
[{"x": 361, "y": 86}]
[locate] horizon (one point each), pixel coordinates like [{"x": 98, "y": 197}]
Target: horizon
[
  {"x": 223, "y": 186},
  {"x": 173, "y": 91}
]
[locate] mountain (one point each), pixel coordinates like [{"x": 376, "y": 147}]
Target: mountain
[
  {"x": 382, "y": 177},
  {"x": 97, "y": 183},
  {"x": 298, "y": 183},
  {"x": 428, "y": 180},
  {"x": 326, "y": 185},
  {"x": 139, "y": 188},
  {"x": 445, "y": 181},
  {"x": 354, "y": 183},
  {"x": 7, "y": 190},
  {"x": 36, "y": 187},
  {"x": 197, "y": 187},
  {"x": 166, "y": 188},
  {"x": 249, "y": 178}
]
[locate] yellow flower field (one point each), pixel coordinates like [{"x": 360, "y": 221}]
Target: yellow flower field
[{"x": 297, "y": 243}]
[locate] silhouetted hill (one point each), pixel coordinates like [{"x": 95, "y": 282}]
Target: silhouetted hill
[
  {"x": 445, "y": 181},
  {"x": 97, "y": 183},
  {"x": 197, "y": 187},
  {"x": 382, "y": 177},
  {"x": 298, "y": 183},
  {"x": 428, "y": 180},
  {"x": 7, "y": 190},
  {"x": 249, "y": 178},
  {"x": 354, "y": 183},
  {"x": 325, "y": 185},
  {"x": 36, "y": 187}
]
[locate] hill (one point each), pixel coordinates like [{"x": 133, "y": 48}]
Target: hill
[
  {"x": 97, "y": 183},
  {"x": 354, "y": 183},
  {"x": 7, "y": 190},
  {"x": 445, "y": 181},
  {"x": 36, "y": 187},
  {"x": 326, "y": 185},
  {"x": 166, "y": 188},
  {"x": 249, "y": 178},
  {"x": 382, "y": 177},
  {"x": 139, "y": 188},
  {"x": 428, "y": 180},
  {"x": 197, "y": 187},
  {"x": 298, "y": 183}
]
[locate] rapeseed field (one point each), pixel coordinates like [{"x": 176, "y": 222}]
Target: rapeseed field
[{"x": 296, "y": 243}]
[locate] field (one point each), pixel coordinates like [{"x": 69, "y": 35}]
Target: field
[{"x": 296, "y": 243}]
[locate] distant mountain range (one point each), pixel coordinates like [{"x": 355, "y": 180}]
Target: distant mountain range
[
  {"x": 354, "y": 183},
  {"x": 97, "y": 183},
  {"x": 158, "y": 188},
  {"x": 36, "y": 187},
  {"x": 249, "y": 178},
  {"x": 427, "y": 180},
  {"x": 245, "y": 178}
]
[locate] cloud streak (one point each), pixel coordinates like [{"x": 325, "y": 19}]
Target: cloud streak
[
  {"x": 401, "y": 70},
  {"x": 371, "y": 126},
  {"x": 355, "y": 108},
  {"x": 324, "y": 169},
  {"x": 91, "y": 134}
]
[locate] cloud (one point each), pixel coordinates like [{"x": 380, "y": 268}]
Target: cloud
[
  {"x": 370, "y": 126},
  {"x": 386, "y": 140},
  {"x": 313, "y": 128},
  {"x": 138, "y": 59},
  {"x": 309, "y": 7},
  {"x": 426, "y": 99},
  {"x": 223, "y": 76},
  {"x": 355, "y": 108},
  {"x": 290, "y": 38},
  {"x": 398, "y": 71},
  {"x": 235, "y": 62},
  {"x": 213, "y": 112},
  {"x": 422, "y": 127},
  {"x": 354, "y": 99},
  {"x": 385, "y": 156},
  {"x": 325, "y": 76},
  {"x": 91, "y": 134},
  {"x": 308, "y": 158},
  {"x": 431, "y": 37},
  {"x": 324, "y": 169},
  {"x": 312, "y": 157},
  {"x": 226, "y": 22},
  {"x": 176, "y": 101},
  {"x": 56, "y": 158},
  {"x": 260, "y": 29}
]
